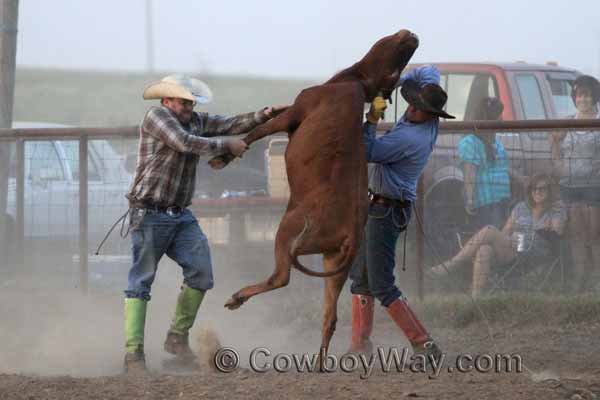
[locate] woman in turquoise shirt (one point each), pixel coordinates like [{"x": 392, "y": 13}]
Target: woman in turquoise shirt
[{"x": 486, "y": 180}]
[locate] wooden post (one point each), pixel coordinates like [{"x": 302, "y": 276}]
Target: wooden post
[
  {"x": 20, "y": 200},
  {"x": 8, "y": 50},
  {"x": 83, "y": 214}
]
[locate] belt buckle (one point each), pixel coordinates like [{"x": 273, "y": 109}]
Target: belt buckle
[{"x": 173, "y": 211}]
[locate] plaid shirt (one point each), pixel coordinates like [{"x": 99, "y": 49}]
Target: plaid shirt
[{"x": 169, "y": 151}]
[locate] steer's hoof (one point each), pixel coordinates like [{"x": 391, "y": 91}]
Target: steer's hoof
[
  {"x": 234, "y": 302},
  {"x": 217, "y": 163}
]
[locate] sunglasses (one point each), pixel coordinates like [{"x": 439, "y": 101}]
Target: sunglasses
[
  {"x": 541, "y": 188},
  {"x": 184, "y": 102},
  {"x": 187, "y": 103}
]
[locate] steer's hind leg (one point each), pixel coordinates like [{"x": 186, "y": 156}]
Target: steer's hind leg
[
  {"x": 281, "y": 123},
  {"x": 333, "y": 288},
  {"x": 291, "y": 225}
]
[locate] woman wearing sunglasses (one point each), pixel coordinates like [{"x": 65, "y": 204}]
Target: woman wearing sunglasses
[{"x": 529, "y": 236}]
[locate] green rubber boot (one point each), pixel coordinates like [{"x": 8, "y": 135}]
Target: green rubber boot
[
  {"x": 188, "y": 302},
  {"x": 135, "y": 319}
]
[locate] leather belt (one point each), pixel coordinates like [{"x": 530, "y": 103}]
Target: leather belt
[
  {"x": 379, "y": 199},
  {"x": 171, "y": 210}
]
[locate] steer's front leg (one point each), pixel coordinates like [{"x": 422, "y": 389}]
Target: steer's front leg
[{"x": 280, "y": 123}]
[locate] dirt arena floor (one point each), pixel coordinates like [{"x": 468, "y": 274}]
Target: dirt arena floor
[
  {"x": 564, "y": 363},
  {"x": 58, "y": 344}
]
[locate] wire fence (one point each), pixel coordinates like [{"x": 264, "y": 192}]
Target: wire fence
[{"x": 58, "y": 209}]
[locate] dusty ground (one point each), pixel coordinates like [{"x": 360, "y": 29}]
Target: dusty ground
[
  {"x": 570, "y": 355},
  {"x": 58, "y": 344},
  {"x": 559, "y": 362}
]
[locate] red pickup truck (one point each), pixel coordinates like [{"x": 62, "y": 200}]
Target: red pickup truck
[{"x": 527, "y": 91}]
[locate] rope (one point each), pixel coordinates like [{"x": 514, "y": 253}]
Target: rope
[
  {"x": 133, "y": 186},
  {"x": 396, "y": 108},
  {"x": 121, "y": 218},
  {"x": 404, "y": 250}
]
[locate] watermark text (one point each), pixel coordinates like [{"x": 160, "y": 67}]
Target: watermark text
[{"x": 387, "y": 360}]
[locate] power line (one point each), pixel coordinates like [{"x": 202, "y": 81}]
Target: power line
[{"x": 149, "y": 37}]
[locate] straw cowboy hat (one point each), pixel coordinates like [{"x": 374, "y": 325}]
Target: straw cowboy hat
[{"x": 180, "y": 86}]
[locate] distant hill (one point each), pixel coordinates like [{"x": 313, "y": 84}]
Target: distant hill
[{"x": 85, "y": 98}]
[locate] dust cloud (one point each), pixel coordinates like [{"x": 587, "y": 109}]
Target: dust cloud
[{"x": 49, "y": 327}]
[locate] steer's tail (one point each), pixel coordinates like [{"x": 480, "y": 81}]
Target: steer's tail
[{"x": 347, "y": 253}]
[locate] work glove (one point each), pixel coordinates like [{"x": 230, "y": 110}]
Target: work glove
[{"x": 375, "y": 113}]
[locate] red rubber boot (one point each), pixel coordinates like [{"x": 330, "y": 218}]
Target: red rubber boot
[
  {"x": 415, "y": 332},
  {"x": 362, "y": 324}
]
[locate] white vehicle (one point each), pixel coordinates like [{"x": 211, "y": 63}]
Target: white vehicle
[{"x": 51, "y": 208}]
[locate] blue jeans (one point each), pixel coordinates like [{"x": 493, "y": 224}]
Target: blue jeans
[
  {"x": 372, "y": 272},
  {"x": 180, "y": 238}
]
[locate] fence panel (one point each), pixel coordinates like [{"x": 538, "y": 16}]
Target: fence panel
[{"x": 59, "y": 209}]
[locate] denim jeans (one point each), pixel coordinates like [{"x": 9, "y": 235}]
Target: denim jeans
[
  {"x": 372, "y": 273},
  {"x": 156, "y": 233}
]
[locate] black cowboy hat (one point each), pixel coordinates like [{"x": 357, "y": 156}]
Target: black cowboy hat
[{"x": 430, "y": 98}]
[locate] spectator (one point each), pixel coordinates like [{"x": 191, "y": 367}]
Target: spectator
[
  {"x": 529, "y": 235},
  {"x": 485, "y": 163},
  {"x": 576, "y": 161}
]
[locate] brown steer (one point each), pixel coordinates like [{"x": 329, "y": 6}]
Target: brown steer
[{"x": 327, "y": 171}]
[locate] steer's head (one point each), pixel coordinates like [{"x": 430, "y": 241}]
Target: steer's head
[{"x": 380, "y": 68}]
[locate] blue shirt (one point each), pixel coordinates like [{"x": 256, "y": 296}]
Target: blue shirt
[
  {"x": 492, "y": 180},
  {"x": 402, "y": 153}
]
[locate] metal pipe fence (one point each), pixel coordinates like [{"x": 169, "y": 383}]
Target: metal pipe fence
[{"x": 236, "y": 212}]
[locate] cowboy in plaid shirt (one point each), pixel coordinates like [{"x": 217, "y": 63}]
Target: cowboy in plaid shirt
[
  {"x": 172, "y": 139},
  {"x": 169, "y": 151}
]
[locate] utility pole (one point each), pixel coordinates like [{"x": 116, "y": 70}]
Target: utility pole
[
  {"x": 149, "y": 37},
  {"x": 9, "y": 12}
]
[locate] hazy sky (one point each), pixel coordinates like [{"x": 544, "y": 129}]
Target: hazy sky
[{"x": 307, "y": 38}]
